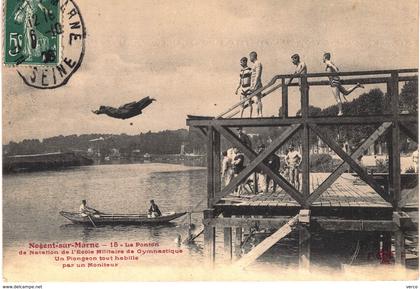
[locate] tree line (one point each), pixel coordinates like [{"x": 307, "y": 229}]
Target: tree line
[{"x": 374, "y": 102}]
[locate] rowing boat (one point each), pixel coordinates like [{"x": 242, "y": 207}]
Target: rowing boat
[{"x": 119, "y": 219}]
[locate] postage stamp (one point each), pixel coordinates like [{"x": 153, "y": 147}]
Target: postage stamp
[
  {"x": 44, "y": 40},
  {"x": 32, "y": 29}
]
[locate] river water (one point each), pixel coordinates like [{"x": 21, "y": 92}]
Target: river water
[{"x": 32, "y": 202}]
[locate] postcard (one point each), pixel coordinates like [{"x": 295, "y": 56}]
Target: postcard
[{"x": 210, "y": 141}]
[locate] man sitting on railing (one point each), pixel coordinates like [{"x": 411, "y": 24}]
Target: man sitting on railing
[
  {"x": 335, "y": 83},
  {"x": 256, "y": 82},
  {"x": 245, "y": 85}
]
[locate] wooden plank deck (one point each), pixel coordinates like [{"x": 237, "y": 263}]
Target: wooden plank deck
[{"x": 348, "y": 191}]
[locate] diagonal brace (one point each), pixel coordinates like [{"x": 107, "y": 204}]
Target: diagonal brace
[
  {"x": 289, "y": 189},
  {"x": 350, "y": 159},
  {"x": 287, "y": 134},
  {"x": 411, "y": 133}
]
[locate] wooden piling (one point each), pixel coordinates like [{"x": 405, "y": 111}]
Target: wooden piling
[
  {"x": 399, "y": 244},
  {"x": 238, "y": 242},
  {"x": 284, "y": 99},
  {"x": 209, "y": 236},
  {"x": 227, "y": 242}
]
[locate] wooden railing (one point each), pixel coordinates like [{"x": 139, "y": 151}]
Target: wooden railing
[
  {"x": 388, "y": 125},
  {"x": 273, "y": 85}
]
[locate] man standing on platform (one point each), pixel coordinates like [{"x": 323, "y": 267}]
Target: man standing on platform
[
  {"x": 293, "y": 160},
  {"x": 245, "y": 85},
  {"x": 335, "y": 83},
  {"x": 256, "y": 82},
  {"x": 301, "y": 69},
  {"x": 244, "y": 138}
]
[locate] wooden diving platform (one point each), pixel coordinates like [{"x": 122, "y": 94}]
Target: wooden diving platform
[{"x": 329, "y": 201}]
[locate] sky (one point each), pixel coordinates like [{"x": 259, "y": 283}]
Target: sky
[{"x": 186, "y": 55}]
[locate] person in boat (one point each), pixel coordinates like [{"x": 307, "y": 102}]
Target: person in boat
[
  {"x": 84, "y": 209},
  {"x": 154, "y": 210}
]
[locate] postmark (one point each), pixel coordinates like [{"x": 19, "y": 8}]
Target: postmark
[{"x": 55, "y": 51}]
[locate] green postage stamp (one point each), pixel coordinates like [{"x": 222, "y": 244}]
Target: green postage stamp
[{"x": 32, "y": 32}]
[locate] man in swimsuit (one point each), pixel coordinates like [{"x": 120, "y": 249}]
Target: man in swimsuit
[
  {"x": 245, "y": 85},
  {"x": 293, "y": 160},
  {"x": 256, "y": 82},
  {"x": 301, "y": 69},
  {"x": 335, "y": 83}
]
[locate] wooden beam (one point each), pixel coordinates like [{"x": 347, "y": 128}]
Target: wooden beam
[
  {"x": 399, "y": 244},
  {"x": 284, "y": 99},
  {"x": 256, "y": 161},
  {"x": 304, "y": 97},
  {"x": 238, "y": 242},
  {"x": 209, "y": 236},
  {"x": 210, "y": 167},
  {"x": 350, "y": 161},
  {"x": 344, "y": 166},
  {"x": 351, "y": 73},
  {"x": 395, "y": 153},
  {"x": 267, "y": 243},
  {"x": 305, "y": 163},
  {"x": 289, "y": 189},
  {"x": 352, "y": 81},
  {"x": 203, "y": 131},
  {"x": 304, "y": 239},
  {"x": 323, "y": 120},
  {"x": 410, "y": 132},
  {"x": 304, "y": 247},
  {"x": 216, "y": 164},
  {"x": 317, "y": 223},
  {"x": 354, "y": 225},
  {"x": 227, "y": 242},
  {"x": 304, "y": 100}
]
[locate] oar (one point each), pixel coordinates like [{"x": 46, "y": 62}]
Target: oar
[
  {"x": 91, "y": 221},
  {"x": 202, "y": 231}
]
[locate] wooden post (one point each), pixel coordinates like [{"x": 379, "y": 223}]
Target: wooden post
[
  {"x": 386, "y": 247},
  {"x": 227, "y": 242},
  {"x": 238, "y": 242},
  {"x": 284, "y": 99},
  {"x": 304, "y": 240},
  {"x": 304, "y": 97},
  {"x": 399, "y": 243},
  {"x": 210, "y": 166},
  {"x": 304, "y": 89},
  {"x": 216, "y": 163},
  {"x": 209, "y": 236},
  {"x": 395, "y": 153}
]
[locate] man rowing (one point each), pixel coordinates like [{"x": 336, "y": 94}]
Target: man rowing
[{"x": 84, "y": 209}]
